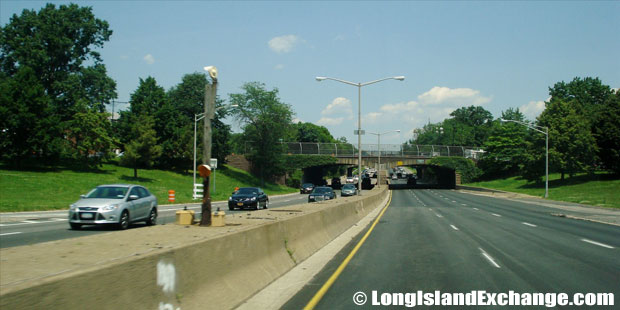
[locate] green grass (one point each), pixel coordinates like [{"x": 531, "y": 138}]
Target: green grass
[
  {"x": 600, "y": 189},
  {"x": 56, "y": 188}
]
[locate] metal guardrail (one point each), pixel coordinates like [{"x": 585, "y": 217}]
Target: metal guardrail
[{"x": 371, "y": 150}]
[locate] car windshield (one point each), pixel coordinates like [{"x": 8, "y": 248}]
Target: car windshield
[
  {"x": 247, "y": 191},
  {"x": 321, "y": 190},
  {"x": 349, "y": 186},
  {"x": 307, "y": 185},
  {"x": 108, "y": 192}
]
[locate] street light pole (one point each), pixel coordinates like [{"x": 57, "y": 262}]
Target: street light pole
[
  {"x": 546, "y": 133},
  {"x": 379, "y": 150},
  {"x": 359, "y": 118}
]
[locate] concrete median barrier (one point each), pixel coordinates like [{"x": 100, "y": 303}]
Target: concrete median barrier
[{"x": 172, "y": 267}]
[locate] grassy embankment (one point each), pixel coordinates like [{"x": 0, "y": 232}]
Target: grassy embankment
[
  {"x": 598, "y": 190},
  {"x": 57, "y": 188}
]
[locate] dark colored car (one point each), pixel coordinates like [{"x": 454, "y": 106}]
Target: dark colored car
[
  {"x": 306, "y": 188},
  {"x": 348, "y": 190},
  {"x": 321, "y": 193},
  {"x": 336, "y": 184},
  {"x": 248, "y": 198}
]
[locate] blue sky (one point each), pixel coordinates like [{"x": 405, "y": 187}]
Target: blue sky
[{"x": 494, "y": 54}]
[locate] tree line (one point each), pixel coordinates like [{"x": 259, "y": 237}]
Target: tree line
[
  {"x": 583, "y": 120},
  {"x": 54, "y": 90}
]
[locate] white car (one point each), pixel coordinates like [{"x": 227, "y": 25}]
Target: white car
[{"x": 350, "y": 179}]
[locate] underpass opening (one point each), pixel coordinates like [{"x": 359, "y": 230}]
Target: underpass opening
[{"x": 426, "y": 177}]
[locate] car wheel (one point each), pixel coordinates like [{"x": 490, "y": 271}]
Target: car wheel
[
  {"x": 152, "y": 220},
  {"x": 75, "y": 226},
  {"x": 123, "y": 222},
  {"x": 266, "y": 204}
]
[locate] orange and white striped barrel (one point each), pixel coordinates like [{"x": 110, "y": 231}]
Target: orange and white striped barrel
[{"x": 171, "y": 195}]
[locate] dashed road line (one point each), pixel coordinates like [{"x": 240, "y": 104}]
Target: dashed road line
[
  {"x": 11, "y": 233},
  {"x": 528, "y": 224},
  {"x": 597, "y": 243},
  {"x": 489, "y": 258},
  {"x": 476, "y": 209},
  {"x": 495, "y": 214},
  {"x": 454, "y": 227}
]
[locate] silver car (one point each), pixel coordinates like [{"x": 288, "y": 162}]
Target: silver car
[{"x": 118, "y": 204}]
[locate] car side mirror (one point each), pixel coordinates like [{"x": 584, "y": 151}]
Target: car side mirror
[{"x": 133, "y": 197}]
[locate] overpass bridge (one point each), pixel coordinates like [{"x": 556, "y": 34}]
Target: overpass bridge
[{"x": 390, "y": 154}]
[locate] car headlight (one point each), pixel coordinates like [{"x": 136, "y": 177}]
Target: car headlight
[
  {"x": 253, "y": 198},
  {"x": 72, "y": 207},
  {"x": 109, "y": 208},
  {"x": 229, "y": 198}
]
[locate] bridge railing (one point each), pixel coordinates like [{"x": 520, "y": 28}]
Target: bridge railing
[{"x": 387, "y": 150}]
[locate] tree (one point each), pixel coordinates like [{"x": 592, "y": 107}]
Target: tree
[
  {"x": 177, "y": 118},
  {"x": 90, "y": 134},
  {"x": 142, "y": 149},
  {"x": 587, "y": 95},
  {"x": 572, "y": 147},
  {"x": 474, "y": 123},
  {"x": 308, "y": 132},
  {"x": 607, "y": 133},
  {"x": 506, "y": 147},
  {"x": 48, "y": 50},
  {"x": 265, "y": 120}
]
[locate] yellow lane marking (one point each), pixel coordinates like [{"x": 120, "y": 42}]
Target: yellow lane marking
[{"x": 321, "y": 292}]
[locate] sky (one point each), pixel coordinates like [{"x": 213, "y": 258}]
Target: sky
[{"x": 494, "y": 54}]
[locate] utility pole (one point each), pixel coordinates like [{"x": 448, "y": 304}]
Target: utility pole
[{"x": 210, "y": 93}]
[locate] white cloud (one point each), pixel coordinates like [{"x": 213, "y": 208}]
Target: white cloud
[
  {"x": 279, "y": 67},
  {"x": 434, "y": 105},
  {"x": 453, "y": 96},
  {"x": 372, "y": 118},
  {"x": 340, "y": 106},
  {"x": 297, "y": 120},
  {"x": 328, "y": 121},
  {"x": 284, "y": 44},
  {"x": 149, "y": 59},
  {"x": 533, "y": 109}
]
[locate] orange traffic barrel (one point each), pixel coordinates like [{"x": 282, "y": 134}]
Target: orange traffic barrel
[{"x": 171, "y": 195}]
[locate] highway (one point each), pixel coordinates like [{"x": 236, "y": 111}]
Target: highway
[
  {"x": 28, "y": 228},
  {"x": 452, "y": 242}
]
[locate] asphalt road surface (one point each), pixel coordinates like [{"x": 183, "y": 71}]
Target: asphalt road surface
[
  {"x": 33, "y": 227},
  {"x": 452, "y": 242}
]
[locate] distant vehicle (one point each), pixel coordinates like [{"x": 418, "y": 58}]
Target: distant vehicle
[
  {"x": 117, "y": 204},
  {"x": 348, "y": 190},
  {"x": 336, "y": 184},
  {"x": 350, "y": 179},
  {"x": 321, "y": 193},
  {"x": 306, "y": 188},
  {"x": 248, "y": 197}
]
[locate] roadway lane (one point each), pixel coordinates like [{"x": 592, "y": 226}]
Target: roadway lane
[
  {"x": 454, "y": 242},
  {"x": 18, "y": 229}
]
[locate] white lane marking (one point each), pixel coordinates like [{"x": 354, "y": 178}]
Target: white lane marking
[
  {"x": 597, "y": 243},
  {"x": 453, "y": 201},
  {"x": 464, "y": 204},
  {"x": 454, "y": 227},
  {"x": 476, "y": 209},
  {"x": 494, "y": 214},
  {"x": 429, "y": 209},
  {"x": 489, "y": 258},
  {"x": 528, "y": 224},
  {"x": 31, "y": 222},
  {"x": 438, "y": 215},
  {"x": 11, "y": 233}
]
